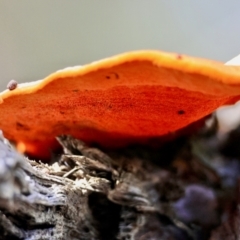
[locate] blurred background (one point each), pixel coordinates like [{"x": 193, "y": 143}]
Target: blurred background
[{"x": 40, "y": 37}]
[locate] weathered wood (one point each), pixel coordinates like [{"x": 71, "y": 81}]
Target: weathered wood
[{"x": 87, "y": 194}]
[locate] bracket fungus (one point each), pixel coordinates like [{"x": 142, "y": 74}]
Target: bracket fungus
[{"x": 129, "y": 98}]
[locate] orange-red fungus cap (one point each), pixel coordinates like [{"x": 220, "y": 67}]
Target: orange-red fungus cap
[{"x": 128, "y": 98}]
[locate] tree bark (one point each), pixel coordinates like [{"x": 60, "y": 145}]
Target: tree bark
[{"x": 87, "y": 194}]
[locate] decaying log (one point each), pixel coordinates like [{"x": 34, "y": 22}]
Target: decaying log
[
  {"x": 87, "y": 194},
  {"x": 78, "y": 198}
]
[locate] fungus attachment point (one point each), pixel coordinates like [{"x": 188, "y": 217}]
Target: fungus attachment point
[
  {"x": 12, "y": 85},
  {"x": 126, "y": 99}
]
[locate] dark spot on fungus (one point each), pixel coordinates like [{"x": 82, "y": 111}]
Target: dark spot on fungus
[
  {"x": 62, "y": 112},
  {"x": 75, "y": 90},
  {"x": 112, "y": 75},
  {"x": 179, "y": 56},
  {"x": 180, "y": 112},
  {"x": 12, "y": 85},
  {"x": 21, "y": 126}
]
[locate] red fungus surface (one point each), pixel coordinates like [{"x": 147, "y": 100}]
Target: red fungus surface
[{"x": 129, "y": 98}]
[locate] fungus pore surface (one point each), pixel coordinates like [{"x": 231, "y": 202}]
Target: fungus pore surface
[{"x": 130, "y": 98}]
